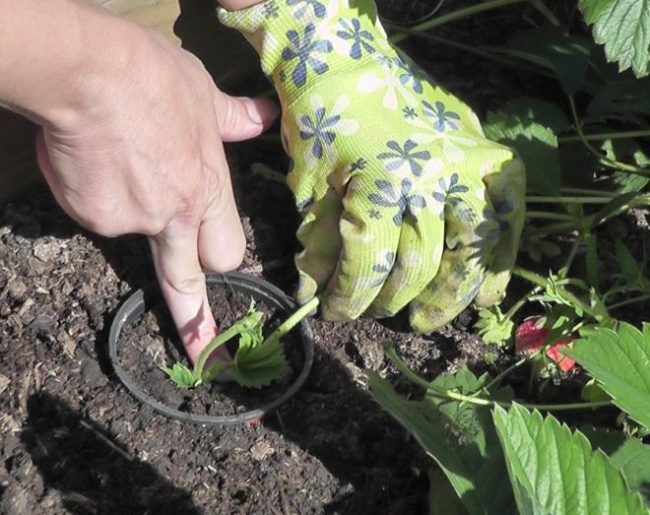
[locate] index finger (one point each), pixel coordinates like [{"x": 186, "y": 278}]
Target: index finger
[{"x": 182, "y": 282}]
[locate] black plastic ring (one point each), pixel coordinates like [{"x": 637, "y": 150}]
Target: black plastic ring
[{"x": 261, "y": 291}]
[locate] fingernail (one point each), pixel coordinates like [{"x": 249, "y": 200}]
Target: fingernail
[{"x": 261, "y": 112}]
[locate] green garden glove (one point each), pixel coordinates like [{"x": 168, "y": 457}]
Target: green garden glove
[{"x": 404, "y": 200}]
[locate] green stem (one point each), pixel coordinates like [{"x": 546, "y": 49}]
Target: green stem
[
  {"x": 541, "y": 7},
  {"x": 217, "y": 342},
  {"x": 497, "y": 380},
  {"x": 543, "y": 215},
  {"x": 233, "y": 331},
  {"x": 611, "y": 163},
  {"x": 298, "y": 316},
  {"x": 623, "y": 303},
  {"x": 563, "y": 227},
  {"x": 568, "y": 200},
  {"x": 540, "y": 281},
  {"x": 582, "y": 191},
  {"x": 521, "y": 303},
  {"x": 541, "y": 407},
  {"x": 604, "y": 136},
  {"x": 457, "y": 15},
  {"x": 571, "y": 257},
  {"x": 478, "y": 401}
]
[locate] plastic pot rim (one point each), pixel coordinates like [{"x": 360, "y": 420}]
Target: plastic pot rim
[{"x": 262, "y": 291}]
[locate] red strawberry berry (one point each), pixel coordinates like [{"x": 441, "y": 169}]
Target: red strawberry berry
[{"x": 530, "y": 338}]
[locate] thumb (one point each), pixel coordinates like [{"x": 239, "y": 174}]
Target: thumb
[{"x": 242, "y": 118}]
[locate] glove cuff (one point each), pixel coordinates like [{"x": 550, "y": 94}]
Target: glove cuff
[{"x": 299, "y": 40}]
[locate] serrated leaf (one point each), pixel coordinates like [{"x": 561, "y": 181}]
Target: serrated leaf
[
  {"x": 536, "y": 145},
  {"x": 555, "y": 471},
  {"x": 531, "y": 109},
  {"x": 630, "y": 455},
  {"x": 630, "y": 268},
  {"x": 551, "y": 48},
  {"x": 259, "y": 363},
  {"x": 459, "y": 436},
  {"x": 494, "y": 327},
  {"x": 182, "y": 376},
  {"x": 620, "y": 361},
  {"x": 623, "y": 26}
]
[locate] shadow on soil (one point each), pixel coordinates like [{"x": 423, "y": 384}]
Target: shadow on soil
[{"x": 82, "y": 462}]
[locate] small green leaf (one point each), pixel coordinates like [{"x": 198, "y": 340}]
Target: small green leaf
[
  {"x": 256, "y": 363},
  {"x": 182, "y": 376},
  {"x": 459, "y": 436},
  {"x": 494, "y": 327},
  {"x": 555, "y": 471},
  {"x": 630, "y": 268},
  {"x": 536, "y": 145},
  {"x": 623, "y": 26},
  {"x": 531, "y": 109},
  {"x": 620, "y": 361}
]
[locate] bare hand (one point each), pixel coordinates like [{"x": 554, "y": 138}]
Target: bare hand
[{"x": 141, "y": 152}]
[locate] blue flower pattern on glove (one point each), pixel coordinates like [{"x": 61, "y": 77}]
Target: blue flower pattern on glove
[
  {"x": 447, "y": 192},
  {"x": 360, "y": 38},
  {"x": 317, "y": 129},
  {"x": 442, "y": 119},
  {"x": 408, "y": 77},
  {"x": 303, "y": 50},
  {"x": 401, "y": 156},
  {"x": 271, "y": 10},
  {"x": 402, "y": 200},
  {"x": 303, "y": 8},
  {"x": 383, "y": 269}
]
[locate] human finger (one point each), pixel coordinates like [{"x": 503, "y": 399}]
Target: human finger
[{"x": 176, "y": 260}]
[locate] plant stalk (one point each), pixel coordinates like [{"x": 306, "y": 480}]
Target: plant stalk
[
  {"x": 568, "y": 200},
  {"x": 479, "y": 401},
  {"x": 298, "y": 316},
  {"x": 604, "y": 136},
  {"x": 456, "y": 15}
]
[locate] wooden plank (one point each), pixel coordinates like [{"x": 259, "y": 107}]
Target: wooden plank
[{"x": 156, "y": 14}]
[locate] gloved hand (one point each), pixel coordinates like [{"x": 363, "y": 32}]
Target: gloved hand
[{"x": 404, "y": 200}]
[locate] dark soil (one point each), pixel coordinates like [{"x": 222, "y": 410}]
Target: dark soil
[
  {"x": 73, "y": 441},
  {"x": 152, "y": 343}
]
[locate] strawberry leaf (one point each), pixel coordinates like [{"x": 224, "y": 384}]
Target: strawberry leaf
[
  {"x": 460, "y": 437},
  {"x": 536, "y": 145},
  {"x": 623, "y": 26},
  {"x": 183, "y": 377},
  {"x": 258, "y": 363},
  {"x": 553, "y": 470},
  {"x": 630, "y": 455},
  {"x": 494, "y": 327},
  {"x": 620, "y": 362}
]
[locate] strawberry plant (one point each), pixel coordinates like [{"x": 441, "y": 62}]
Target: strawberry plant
[
  {"x": 588, "y": 166},
  {"x": 257, "y": 362},
  {"x": 499, "y": 454}
]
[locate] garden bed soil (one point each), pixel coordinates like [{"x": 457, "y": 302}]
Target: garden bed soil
[{"x": 72, "y": 440}]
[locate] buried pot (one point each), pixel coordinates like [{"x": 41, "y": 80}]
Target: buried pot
[{"x": 136, "y": 355}]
